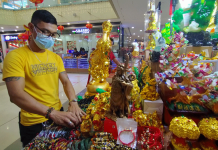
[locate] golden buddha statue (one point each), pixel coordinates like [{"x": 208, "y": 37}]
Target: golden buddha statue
[{"x": 99, "y": 62}]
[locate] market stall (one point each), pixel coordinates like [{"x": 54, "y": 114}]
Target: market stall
[{"x": 169, "y": 101}]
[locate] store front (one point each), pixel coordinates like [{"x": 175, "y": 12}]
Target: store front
[
  {"x": 10, "y": 42},
  {"x": 81, "y": 39}
]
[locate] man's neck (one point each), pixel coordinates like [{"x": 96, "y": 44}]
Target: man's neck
[{"x": 34, "y": 47}]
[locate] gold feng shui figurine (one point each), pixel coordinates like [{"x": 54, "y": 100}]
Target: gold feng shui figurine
[
  {"x": 120, "y": 92},
  {"x": 86, "y": 124},
  {"x": 99, "y": 62}
]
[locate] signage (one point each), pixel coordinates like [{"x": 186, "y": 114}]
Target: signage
[
  {"x": 81, "y": 31},
  {"x": 11, "y": 37}
]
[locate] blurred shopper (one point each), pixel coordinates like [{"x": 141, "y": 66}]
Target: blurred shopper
[
  {"x": 75, "y": 53},
  {"x": 32, "y": 76},
  {"x": 83, "y": 53}
]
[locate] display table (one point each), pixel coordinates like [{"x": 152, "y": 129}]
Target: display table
[{"x": 76, "y": 65}]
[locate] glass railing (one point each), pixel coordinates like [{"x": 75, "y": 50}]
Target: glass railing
[{"x": 26, "y": 4}]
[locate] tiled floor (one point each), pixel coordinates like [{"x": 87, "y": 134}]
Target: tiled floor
[{"x": 9, "y": 130}]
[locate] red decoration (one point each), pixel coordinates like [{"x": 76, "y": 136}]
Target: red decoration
[
  {"x": 110, "y": 126},
  {"x": 89, "y": 25},
  {"x": 23, "y": 36},
  {"x": 61, "y": 28},
  {"x": 36, "y": 2}
]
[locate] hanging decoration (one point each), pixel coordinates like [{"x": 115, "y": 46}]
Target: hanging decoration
[
  {"x": 89, "y": 26},
  {"x": 23, "y": 37},
  {"x": 36, "y": 2},
  {"x": 61, "y": 28}
]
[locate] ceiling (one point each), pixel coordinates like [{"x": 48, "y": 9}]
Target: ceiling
[{"x": 131, "y": 14}]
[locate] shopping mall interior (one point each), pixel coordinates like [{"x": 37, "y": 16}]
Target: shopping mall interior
[{"x": 145, "y": 73}]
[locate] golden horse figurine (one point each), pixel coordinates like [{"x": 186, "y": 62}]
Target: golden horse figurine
[{"x": 99, "y": 62}]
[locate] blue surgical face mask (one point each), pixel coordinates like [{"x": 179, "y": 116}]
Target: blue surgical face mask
[{"x": 42, "y": 41}]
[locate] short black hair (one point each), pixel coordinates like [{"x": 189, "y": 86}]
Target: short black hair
[
  {"x": 112, "y": 40},
  {"x": 43, "y": 15}
]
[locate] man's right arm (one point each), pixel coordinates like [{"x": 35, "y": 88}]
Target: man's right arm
[{"x": 18, "y": 96}]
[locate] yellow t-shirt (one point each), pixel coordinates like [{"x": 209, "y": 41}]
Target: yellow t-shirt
[{"x": 41, "y": 78}]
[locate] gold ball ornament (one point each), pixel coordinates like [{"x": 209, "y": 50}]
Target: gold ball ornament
[
  {"x": 184, "y": 128},
  {"x": 209, "y": 128}
]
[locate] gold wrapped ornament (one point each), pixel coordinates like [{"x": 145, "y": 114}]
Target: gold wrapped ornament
[
  {"x": 149, "y": 91},
  {"x": 151, "y": 43},
  {"x": 99, "y": 62},
  {"x": 152, "y": 23},
  {"x": 179, "y": 146},
  {"x": 184, "y": 128},
  {"x": 147, "y": 120},
  {"x": 86, "y": 124},
  {"x": 135, "y": 96},
  {"x": 209, "y": 128},
  {"x": 97, "y": 109}
]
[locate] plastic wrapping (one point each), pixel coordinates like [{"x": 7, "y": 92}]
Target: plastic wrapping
[{"x": 127, "y": 129}]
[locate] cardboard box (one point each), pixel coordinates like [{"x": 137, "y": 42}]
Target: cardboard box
[
  {"x": 198, "y": 50},
  {"x": 151, "y": 106}
]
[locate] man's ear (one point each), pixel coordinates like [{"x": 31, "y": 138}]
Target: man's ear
[{"x": 31, "y": 26}]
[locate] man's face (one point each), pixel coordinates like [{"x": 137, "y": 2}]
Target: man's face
[{"x": 44, "y": 28}]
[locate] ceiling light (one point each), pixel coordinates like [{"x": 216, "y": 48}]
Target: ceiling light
[
  {"x": 17, "y": 27},
  {"x": 49, "y": 5},
  {"x": 68, "y": 23},
  {"x": 16, "y": 30},
  {"x": 132, "y": 27},
  {"x": 87, "y": 21},
  {"x": 109, "y": 20},
  {"x": 2, "y": 28},
  {"x": 140, "y": 30}
]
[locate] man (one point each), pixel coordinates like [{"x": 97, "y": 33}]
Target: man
[{"x": 32, "y": 75}]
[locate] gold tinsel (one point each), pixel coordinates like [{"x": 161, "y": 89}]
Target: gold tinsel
[
  {"x": 184, "y": 128},
  {"x": 209, "y": 128}
]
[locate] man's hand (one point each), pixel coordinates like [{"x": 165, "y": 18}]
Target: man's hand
[
  {"x": 76, "y": 110},
  {"x": 67, "y": 119}
]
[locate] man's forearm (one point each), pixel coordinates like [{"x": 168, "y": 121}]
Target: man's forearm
[
  {"x": 28, "y": 103},
  {"x": 69, "y": 90}
]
